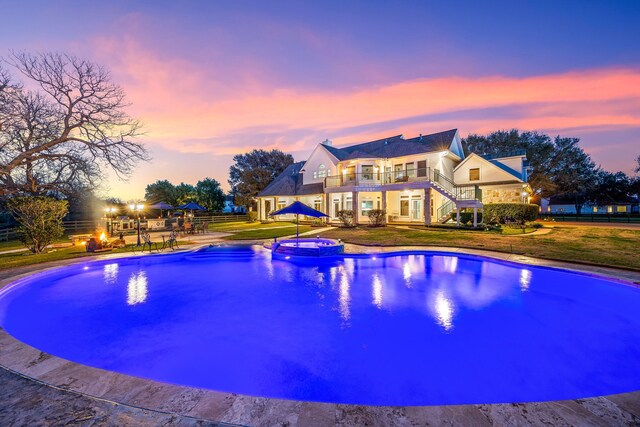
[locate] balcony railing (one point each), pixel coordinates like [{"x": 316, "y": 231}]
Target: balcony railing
[{"x": 468, "y": 192}]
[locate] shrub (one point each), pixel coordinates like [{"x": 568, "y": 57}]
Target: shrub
[
  {"x": 40, "y": 220},
  {"x": 346, "y": 217},
  {"x": 510, "y": 213},
  {"x": 377, "y": 217},
  {"x": 466, "y": 217},
  {"x": 253, "y": 216}
]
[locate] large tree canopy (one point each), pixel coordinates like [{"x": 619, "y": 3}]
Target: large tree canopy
[
  {"x": 206, "y": 192},
  {"x": 559, "y": 165},
  {"x": 62, "y": 137},
  {"x": 210, "y": 195},
  {"x": 253, "y": 171}
]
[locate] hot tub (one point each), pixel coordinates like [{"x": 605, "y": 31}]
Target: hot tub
[{"x": 308, "y": 247}]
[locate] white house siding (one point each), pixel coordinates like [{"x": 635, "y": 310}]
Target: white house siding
[
  {"x": 489, "y": 172},
  {"x": 318, "y": 157}
]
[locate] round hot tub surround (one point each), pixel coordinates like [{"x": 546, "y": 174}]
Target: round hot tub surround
[{"x": 308, "y": 247}]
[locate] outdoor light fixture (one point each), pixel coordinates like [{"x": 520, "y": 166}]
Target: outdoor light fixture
[{"x": 137, "y": 209}]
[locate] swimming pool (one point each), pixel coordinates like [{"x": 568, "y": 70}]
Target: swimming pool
[{"x": 394, "y": 329}]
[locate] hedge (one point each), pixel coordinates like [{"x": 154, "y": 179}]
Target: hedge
[
  {"x": 508, "y": 213},
  {"x": 466, "y": 217}
]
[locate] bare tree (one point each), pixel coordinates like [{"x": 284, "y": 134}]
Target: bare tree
[{"x": 65, "y": 135}]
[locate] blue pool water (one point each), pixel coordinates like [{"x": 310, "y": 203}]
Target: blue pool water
[{"x": 403, "y": 329}]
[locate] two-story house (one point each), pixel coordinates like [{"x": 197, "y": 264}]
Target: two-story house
[{"x": 417, "y": 180}]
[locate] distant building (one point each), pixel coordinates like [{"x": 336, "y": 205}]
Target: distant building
[
  {"x": 563, "y": 205},
  {"x": 230, "y": 207},
  {"x": 420, "y": 180}
]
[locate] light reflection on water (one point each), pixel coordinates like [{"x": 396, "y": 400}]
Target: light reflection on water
[
  {"x": 137, "y": 288},
  {"x": 525, "y": 279},
  {"x": 110, "y": 273},
  {"x": 377, "y": 290},
  {"x": 444, "y": 310},
  {"x": 310, "y": 330}
]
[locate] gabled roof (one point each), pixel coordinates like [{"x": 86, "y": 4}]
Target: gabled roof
[
  {"x": 494, "y": 162},
  {"x": 395, "y": 146},
  {"x": 289, "y": 183},
  {"x": 506, "y": 168},
  {"x": 514, "y": 153}
]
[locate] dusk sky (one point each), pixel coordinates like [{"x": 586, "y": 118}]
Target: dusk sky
[{"x": 210, "y": 79}]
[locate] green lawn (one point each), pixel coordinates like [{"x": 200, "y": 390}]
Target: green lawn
[
  {"x": 595, "y": 245},
  {"x": 20, "y": 259},
  {"x": 267, "y": 232}
]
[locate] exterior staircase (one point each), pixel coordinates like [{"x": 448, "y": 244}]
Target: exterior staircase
[{"x": 459, "y": 196}]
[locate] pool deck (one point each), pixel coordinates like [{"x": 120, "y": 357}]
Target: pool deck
[{"x": 40, "y": 389}]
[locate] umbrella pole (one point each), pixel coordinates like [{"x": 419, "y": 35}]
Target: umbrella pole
[{"x": 297, "y": 235}]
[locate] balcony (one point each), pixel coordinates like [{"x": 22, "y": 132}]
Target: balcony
[{"x": 380, "y": 179}]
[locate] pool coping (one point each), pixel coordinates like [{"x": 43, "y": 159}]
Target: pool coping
[{"x": 96, "y": 383}]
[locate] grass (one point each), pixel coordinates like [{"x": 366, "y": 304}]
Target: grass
[
  {"x": 21, "y": 259},
  {"x": 595, "y": 245},
  {"x": 243, "y": 226},
  {"x": 267, "y": 233}
]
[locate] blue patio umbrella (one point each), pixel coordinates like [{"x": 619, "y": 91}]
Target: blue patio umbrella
[
  {"x": 192, "y": 206},
  {"x": 162, "y": 206},
  {"x": 298, "y": 208}
]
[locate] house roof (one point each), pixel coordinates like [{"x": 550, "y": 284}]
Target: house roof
[
  {"x": 289, "y": 183},
  {"x": 395, "y": 146},
  {"x": 514, "y": 153},
  {"x": 494, "y": 162},
  {"x": 506, "y": 168}
]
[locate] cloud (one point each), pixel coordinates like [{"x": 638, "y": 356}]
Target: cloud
[{"x": 219, "y": 110}]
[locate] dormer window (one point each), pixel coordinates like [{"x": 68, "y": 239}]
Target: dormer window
[{"x": 474, "y": 174}]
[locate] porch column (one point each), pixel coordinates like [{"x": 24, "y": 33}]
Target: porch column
[
  {"x": 427, "y": 206},
  {"x": 327, "y": 205},
  {"x": 384, "y": 204},
  {"x": 260, "y": 213},
  {"x": 457, "y": 216},
  {"x": 354, "y": 206},
  {"x": 475, "y": 217}
]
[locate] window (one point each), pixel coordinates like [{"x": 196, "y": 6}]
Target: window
[
  {"x": 411, "y": 171},
  {"x": 282, "y": 204},
  {"x": 320, "y": 172},
  {"x": 621, "y": 209},
  {"x": 404, "y": 207},
  {"x": 367, "y": 205},
  {"x": 398, "y": 171},
  {"x": 348, "y": 204},
  {"x": 422, "y": 168},
  {"x": 474, "y": 174},
  {"x": 367, "y": 172},
  {"x": 351, "y": 173},
  {"x": 595, "y": 209},
  {"x": 317, "y": 205}
]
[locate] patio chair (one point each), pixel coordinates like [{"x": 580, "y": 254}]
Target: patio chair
[
  {"x": 171, "y": 241},
  {"x": 147, "y": 242},
  {"x": 187, "y": 228}
]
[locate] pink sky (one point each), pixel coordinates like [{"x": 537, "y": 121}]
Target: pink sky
[{"x": 215, "y": 79}]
